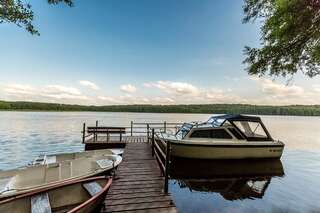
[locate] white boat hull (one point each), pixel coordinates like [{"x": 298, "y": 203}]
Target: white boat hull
[{"x": 227, "y": 151}]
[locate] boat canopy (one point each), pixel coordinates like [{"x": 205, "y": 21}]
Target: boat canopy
[
  {"x": 251, "y": 127},
  {"x": 218, "y": 121}
]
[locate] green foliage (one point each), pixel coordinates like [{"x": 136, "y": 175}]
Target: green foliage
[
  {"x": 19, "y": 12},
  {"x": 290, "y": 37},
  {"x": 205, "y": 108}
]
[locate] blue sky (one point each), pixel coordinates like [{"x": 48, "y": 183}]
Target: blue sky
[{"x": 143, "y": 51}]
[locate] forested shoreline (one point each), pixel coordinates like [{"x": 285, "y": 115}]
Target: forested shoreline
[{"x": 302, "y": 110}]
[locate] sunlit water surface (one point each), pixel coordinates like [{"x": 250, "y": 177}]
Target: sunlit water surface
[{"x": 25, "y": 135}]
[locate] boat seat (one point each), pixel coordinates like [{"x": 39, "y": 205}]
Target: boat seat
[
  {"x": 50, "y": 159},
  {"x": 40, "y": 203},
  {"x": 104, "y": 163},
  {"x": 92, "y": 188},
  {"x": 117, "y": 151}
]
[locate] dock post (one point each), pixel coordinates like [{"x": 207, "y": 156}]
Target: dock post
[
  {"x": 95, "y": 134},
  {"x": 167, "y": 167},
  {"x": 148, "y": 133},
  {"x": 152, "y": 142},
  {"x": 131, "y": 127},
  {"x": 83, "y": 132},
  {"x": 165, "y": 126}
]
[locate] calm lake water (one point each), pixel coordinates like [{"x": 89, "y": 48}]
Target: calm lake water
[{"x": 289, "y": 185}]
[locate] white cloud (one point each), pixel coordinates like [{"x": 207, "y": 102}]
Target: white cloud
[
  {"x": 276, "y": 89},
  {"x": 109, "y": 100},
  {"x": 164, "y": 100},
  {"x": 316, "y": 88},
  {"x": 46, "y": 93},
  {"x": 266, "y": 91},
  {"x": 66, "y": 96},
  {"x": 275, "y": 93},
  {"x": 175, "y": 88},
  {"x": 58, "y": 89},
  {"x": 125, "y": 99},
  {"x": 19, "y": 89},
  {"x": 182, "y": 92},
  {"x": 89, "y": 84},
  {"x": 128, "y": 88}
]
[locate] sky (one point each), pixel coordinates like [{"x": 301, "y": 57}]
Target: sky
[{"x": 140, "y": 52}]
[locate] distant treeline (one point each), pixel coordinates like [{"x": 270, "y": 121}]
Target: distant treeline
[{"x": 305, "y": 110}]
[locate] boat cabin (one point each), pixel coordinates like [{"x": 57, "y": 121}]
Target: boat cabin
[{"x": 229, "y": 127}]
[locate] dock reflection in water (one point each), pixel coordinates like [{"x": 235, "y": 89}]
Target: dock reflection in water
[{"x": 233, "y": 180}]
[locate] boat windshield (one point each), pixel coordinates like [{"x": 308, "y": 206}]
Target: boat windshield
[
  {"x": 251, "y": 129},
  {"x": 216, "y": 121},
  {"x": 183, "y": 131}
]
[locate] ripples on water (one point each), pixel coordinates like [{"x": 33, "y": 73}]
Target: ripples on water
[{"x": 25, "y": 135}]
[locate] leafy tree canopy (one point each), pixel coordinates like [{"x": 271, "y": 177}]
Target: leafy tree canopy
[
  {"x": 290, "y": 36},
  {"x": 20, "y": 13}
]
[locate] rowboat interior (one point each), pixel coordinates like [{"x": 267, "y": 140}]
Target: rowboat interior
[
  {"x": 19, "y": 181},
  {"x": 78, "y": 196},
  {"x": 56, "y": 158}
]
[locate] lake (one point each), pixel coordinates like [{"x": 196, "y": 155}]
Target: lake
[{"x": 289, "y": 185}]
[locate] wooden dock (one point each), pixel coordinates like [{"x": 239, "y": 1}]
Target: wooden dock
[
  {"x": 103, "y": 142},
  {"x": 104, "y": 137},
  {"x": 138, "y": 185}
]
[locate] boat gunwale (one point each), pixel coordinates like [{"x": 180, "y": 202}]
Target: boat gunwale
[
  {"x": 227, "y": 144},
  {"x": 63, "y": 184}
]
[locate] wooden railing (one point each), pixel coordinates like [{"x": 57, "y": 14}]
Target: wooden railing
[
  {"x": 135, "y": 128},
  {"x": 145, "y": 128},
  {"x": 161, "y": 149}
]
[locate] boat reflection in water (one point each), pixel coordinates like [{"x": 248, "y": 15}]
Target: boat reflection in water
[{"x": 233, "y": 180}]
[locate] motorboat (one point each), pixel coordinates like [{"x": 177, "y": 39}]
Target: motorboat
[
  {"x": 54, "y": 171},
  {"x": 83, "y": 195},
  {"x": 224, "y": 137}
]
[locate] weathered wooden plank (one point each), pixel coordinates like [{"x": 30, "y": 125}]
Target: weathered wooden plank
[
  {"x": 150, "y": 167},
  {"x": 137, "y": 186},
  {"x": 140, "y": 177},
  {"x": 40, "y": 203},
  {"x": 122, "y": 191},
  {"x": 92, "y": 188},
  {"x": 156, "y": 210},
  {"x": 139, "y": 182},
  {"x": 139, "y": 206},
  {"x": 149, "y": 171},
  {"x": 137, "y": 169},
  {"x": 124, "y": 179},
  {"x": 137, "y": 173},
  {"x": 135, "y": 195},
  {"x": 140, "y": 167},
  {"x": 138, "y": 200}
]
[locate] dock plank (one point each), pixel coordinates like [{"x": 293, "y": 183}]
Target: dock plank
[
  {"x": 139, "y": 206},
  {"x": 138, "y": 200}
]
